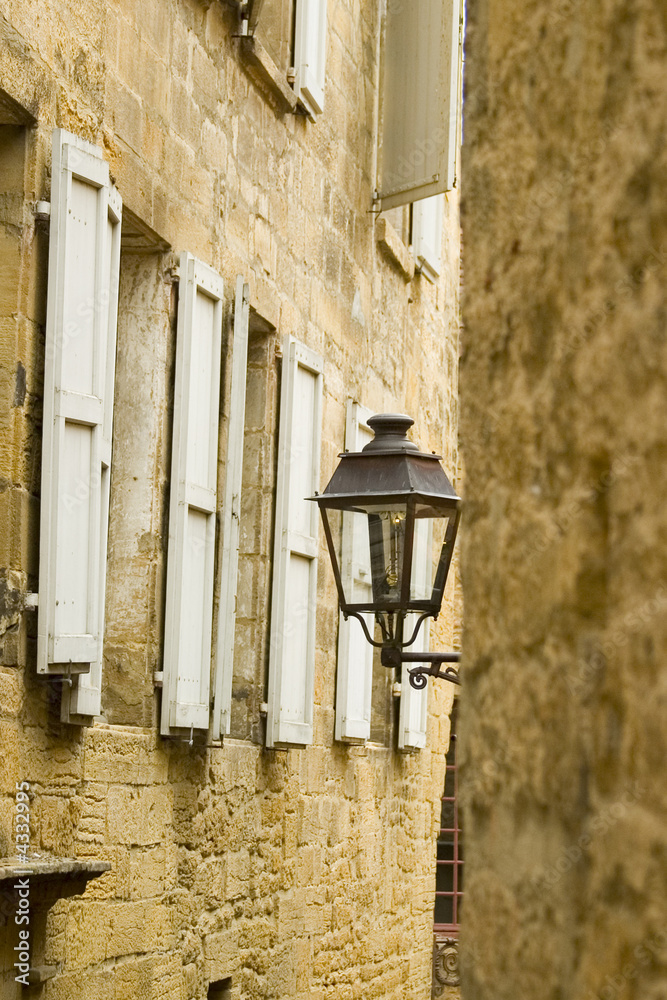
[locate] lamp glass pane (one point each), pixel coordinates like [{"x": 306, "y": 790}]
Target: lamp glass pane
[
  {"x": 430, "y": 530},
  {"x": 386, "y": 535}
]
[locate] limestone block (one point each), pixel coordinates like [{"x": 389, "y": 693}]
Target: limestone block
[{"x": 138, "y": 815}]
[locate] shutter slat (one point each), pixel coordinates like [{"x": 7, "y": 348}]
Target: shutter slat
[
  {"x": 191, "y": 549},
  {"x": 355, "y": 653},
  {"x": 419, "y": 124},
  {"x": 294, "y": 593},
  {"x": 231, "y": 512}
]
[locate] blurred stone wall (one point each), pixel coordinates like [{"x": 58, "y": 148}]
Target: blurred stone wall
[{"x": 564, "y": 417}]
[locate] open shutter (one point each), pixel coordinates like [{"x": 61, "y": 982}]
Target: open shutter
[
  {"x": 84, "y": 698},
  {"x": 230, "y": 517},
  {"x": 78, "y": 405},
  {"x": 420, "y": 87},
  {"x": 354, "y": 682},
  {"x": 427, "y": 216},
  {"x": 310, "y": 53},
  {"x": 193, "y": 500},
  {"x": 413, "y": 713},
  {"x": 294, "y": 591}
]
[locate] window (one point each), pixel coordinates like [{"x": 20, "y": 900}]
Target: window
[
  {"x": 193, "y": 500},
  {"x": 310, "y": 53},
  {"x": 427, "y": 219},
  {"x": 79, "y": 375},
  {"x": 449, "y": 862},
  {"x": 285, "y": 35},
  {"x": 355, "y": 653},
  {"x": 231, "y": 516},
  {"x": 419, "y": 114},
  {"x": 294, "y": 591}
]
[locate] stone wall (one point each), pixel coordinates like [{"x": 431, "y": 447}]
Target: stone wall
[
  {"x": 303, "y": 873},
  {"x": 564, "y": 405}
]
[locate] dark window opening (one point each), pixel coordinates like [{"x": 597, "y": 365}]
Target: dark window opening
[
  {"x": 449, "y": 860},
  {"x": 220, "y": 990}
]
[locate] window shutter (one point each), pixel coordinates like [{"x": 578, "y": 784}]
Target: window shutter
[
  {"x": 355, "y": 654},
  {"x": 84, "y": 698},
  {"x": 413, "y": 713},
  {"x": 230, "y": 517},
  {"x": 294, "y": 592},
  {"x": 310, "y": 53},
  {"x": 193, "y": 500},
  {"x": 427, "y": 216},
  {"x": 79, "y": 364},
  {"x": 420, "y": 85}
]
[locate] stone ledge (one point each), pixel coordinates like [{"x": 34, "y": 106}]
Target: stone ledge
[
  {"x": 266, "y": 74},
  {"x": 394, "y": 249},
  {"x": 53, "y": 878},
  {"x": 48, "y": 867}
]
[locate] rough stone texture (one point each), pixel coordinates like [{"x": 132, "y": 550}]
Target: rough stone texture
[
  {"x": 564, "y": 408},
  {"x": 302, "y": 875}
]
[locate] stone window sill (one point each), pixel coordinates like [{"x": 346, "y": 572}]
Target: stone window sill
[
  {"x": 393, "y": 248},
  {"x": 270, "y": 80}
]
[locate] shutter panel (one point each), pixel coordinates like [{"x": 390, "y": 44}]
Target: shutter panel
[
  {"x": 78, "y": 403},
  {"x": 420, "y": 84},
  {"x": 413, "y": 713},
  {"x": 427, "y": 216},
  {"x": 354, "y": 680},
  {"x": 310, "y": 53},
  {"x": 193, "y": 500},
  {"x": 294, "y": 592},
  {"x": 230, "y": 517},
  {"x": 84, "y": 698}
]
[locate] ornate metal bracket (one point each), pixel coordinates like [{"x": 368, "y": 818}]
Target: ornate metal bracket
[
  {"x": 393, "y": 657},
  {"x": 445, "y": 965}
]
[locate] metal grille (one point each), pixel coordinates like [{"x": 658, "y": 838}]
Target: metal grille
[{"x": 449, "y": 863}]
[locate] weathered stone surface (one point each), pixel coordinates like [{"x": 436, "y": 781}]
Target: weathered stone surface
[{"x": 564, "y": 404}]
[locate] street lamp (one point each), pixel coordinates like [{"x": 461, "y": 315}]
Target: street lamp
[{"x": 412, "y": 515}]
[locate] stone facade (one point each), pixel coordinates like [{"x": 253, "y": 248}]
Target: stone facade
[
  {"x": 298, "y": 874},
  {"x": 564, "y": 406}
]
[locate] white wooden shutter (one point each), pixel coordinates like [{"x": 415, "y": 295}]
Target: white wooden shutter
[
  {"x": 79, "y": 367},
  {"x": 230, "y": 517},
  {"x": 427, "y": 217},
  {"x": 420, "y": 84},
  {"x": 354, "y": 681},
  {"x": 413, "y": 713},
  {"x": 294, "y": 591},
  {"x": 310, "y": 53},
  {"x": 193, "y": 500},
  {"x": 83, "y": 698}
]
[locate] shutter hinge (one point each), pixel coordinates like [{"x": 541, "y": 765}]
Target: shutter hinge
[
  {"x": 158, "y": 678},
  {"x": 31, "y": 601},
  {"x": 42, "y": 211}
]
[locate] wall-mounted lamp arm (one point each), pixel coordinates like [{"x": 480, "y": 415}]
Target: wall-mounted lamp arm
[{"x": 394, "y": 657}]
